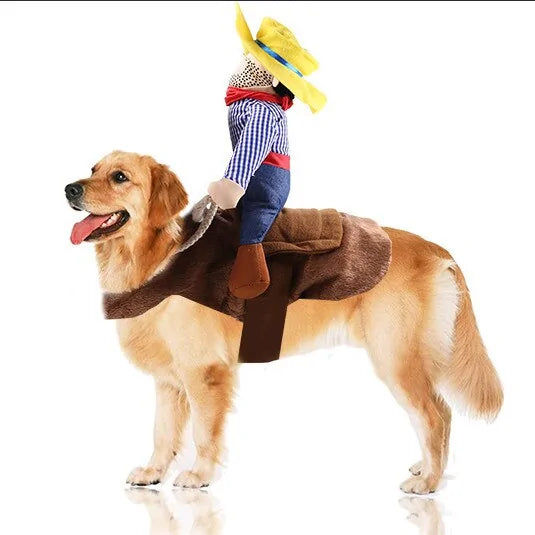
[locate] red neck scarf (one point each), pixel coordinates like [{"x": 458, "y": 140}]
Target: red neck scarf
[{"x": 236, "y": 93}]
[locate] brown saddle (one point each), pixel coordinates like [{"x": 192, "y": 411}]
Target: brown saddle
[
  {"x": 311, "y": 254},
  {"x": 304, "y": 231}
]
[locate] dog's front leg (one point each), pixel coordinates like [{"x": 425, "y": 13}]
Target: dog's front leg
[
  {"x": 209, "y": 390},
  {"x": 172, "y": 411}
]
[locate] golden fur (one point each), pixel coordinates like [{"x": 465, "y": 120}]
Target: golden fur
[{"x": 417, "y": 325}]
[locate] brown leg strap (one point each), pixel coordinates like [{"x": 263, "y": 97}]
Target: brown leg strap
[{"x": 263, "y": 324}]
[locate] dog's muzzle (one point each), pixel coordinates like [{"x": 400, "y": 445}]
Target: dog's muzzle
[{"x": 74, "y": 193}]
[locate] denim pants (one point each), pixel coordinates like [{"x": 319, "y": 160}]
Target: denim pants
[{"x": 264, "y": 198}]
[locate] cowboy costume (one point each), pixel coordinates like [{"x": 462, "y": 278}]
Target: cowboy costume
[{"x": 257, "y": 178}]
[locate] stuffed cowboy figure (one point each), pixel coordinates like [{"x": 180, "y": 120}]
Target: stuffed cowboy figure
[{"x": 257, "y": 179}]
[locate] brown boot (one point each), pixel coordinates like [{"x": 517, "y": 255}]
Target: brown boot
[{"x": 249, "y": 276}]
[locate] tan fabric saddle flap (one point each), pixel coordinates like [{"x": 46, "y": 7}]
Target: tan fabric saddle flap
[{"x": 304, "y": 231}]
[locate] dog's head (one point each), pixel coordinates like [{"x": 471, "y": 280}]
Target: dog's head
[{"x": 125, "y": 194}]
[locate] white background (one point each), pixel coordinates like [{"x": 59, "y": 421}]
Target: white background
[{"x": 429, "y": 127}]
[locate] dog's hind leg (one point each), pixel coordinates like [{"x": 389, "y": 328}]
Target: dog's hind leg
[
  {"x": 445, "y": 413},
  {"x": 392, "y": 325},
  {"x": 172, "y": 412},
  {"x": 413, "y": 389},
  {"x": 421, "y": 404}
]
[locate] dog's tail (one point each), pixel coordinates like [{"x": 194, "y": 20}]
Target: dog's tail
[{"x": 470, "y": 374}]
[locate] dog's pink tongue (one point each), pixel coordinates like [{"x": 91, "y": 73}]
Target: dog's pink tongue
[{"x": 84, "y": 228}]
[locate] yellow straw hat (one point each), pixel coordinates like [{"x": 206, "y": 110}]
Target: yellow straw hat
[{"x": 277, "y": 49}]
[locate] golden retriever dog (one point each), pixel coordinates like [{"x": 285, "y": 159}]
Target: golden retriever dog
[{"x": 417, "y": 325}]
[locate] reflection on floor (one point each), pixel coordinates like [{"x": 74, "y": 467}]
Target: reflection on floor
[
  {"x": 179, "y": 511},
  {"x": 196, "y": 512},
  {"x": 425, "y": 513}
]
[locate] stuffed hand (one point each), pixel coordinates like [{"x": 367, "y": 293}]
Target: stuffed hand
[{"x": 225, "y": 193}]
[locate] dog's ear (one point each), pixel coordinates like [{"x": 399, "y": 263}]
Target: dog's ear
[{"x": 168, "y": 196}]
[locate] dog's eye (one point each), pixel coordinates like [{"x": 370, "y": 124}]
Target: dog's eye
[{"x": 119, "y": 177}]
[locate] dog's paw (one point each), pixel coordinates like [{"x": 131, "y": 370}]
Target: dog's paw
[
  {"x": 416, "y": 468},
  {"x": 145, "y": 476},
  {"x": 191, "y": 480},
  {"x": 418, "y": 485}
]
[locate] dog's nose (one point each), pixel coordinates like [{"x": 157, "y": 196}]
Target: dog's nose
[{"x": 74, "y": 191}]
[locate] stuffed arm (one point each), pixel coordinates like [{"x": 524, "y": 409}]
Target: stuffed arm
[{"x": 250, "y": 151}]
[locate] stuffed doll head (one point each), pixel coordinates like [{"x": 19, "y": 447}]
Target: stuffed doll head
[{"x": 251, "y": 74}]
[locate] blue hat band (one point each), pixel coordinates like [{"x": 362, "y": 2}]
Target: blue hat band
[{"x": 280, "y": 59}]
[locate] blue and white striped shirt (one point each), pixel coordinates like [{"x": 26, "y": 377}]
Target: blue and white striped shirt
[{"x": 257, "y": 127}]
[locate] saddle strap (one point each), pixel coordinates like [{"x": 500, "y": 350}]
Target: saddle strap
[{"x": 265, "y": 316}]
